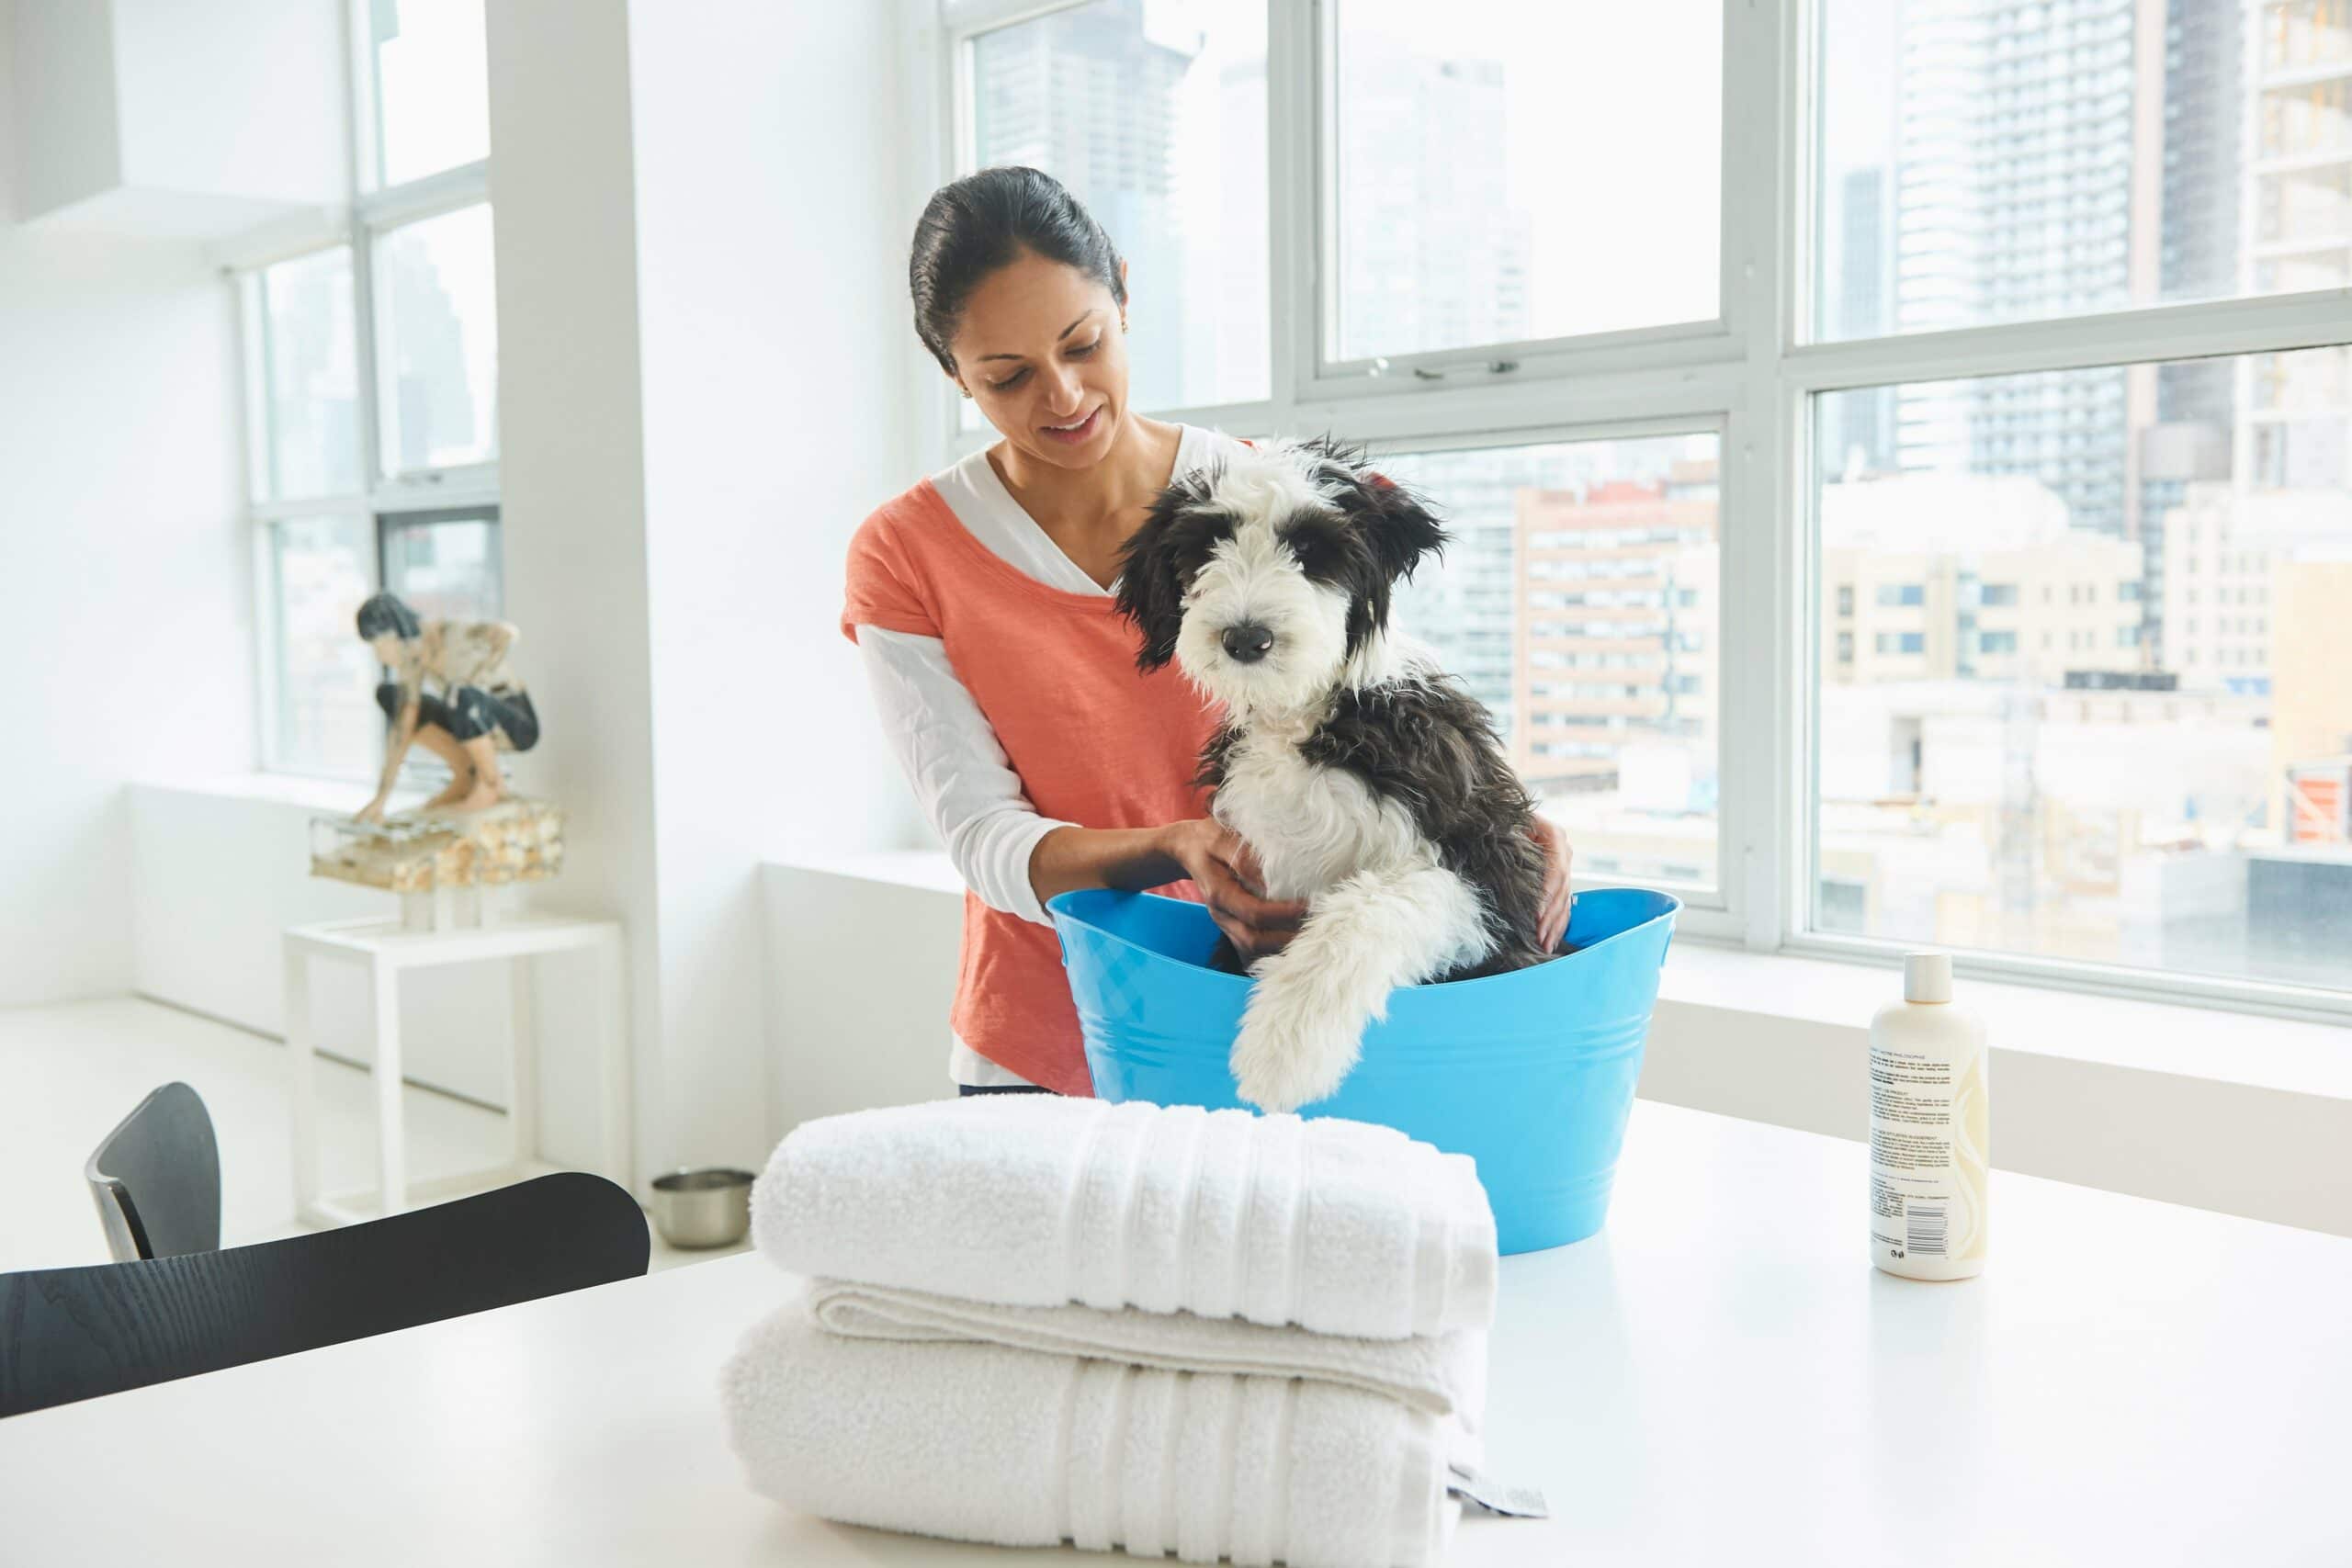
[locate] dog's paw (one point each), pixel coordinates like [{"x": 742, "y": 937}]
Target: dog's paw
[{"x": 1288, "y": 1053}]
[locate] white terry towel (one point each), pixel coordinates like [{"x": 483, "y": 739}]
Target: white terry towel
[
  {"x": 1339, "y": 1226},
  {"x": 1444, "y": 1377},
  {"x": 982, "y": 1442}
]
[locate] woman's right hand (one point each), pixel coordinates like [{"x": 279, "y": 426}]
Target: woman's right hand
[{"x": 1233, "y": 884}]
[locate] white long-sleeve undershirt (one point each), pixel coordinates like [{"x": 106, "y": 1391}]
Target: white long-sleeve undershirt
[{"x": 953, "y": 760}]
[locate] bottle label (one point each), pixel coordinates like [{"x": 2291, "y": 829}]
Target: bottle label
[{"x": 1928, "y": 1157}]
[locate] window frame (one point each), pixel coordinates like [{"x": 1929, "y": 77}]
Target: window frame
[
  {"x": 388, "y": 500},
  {"x": 1753, "y": 374}
]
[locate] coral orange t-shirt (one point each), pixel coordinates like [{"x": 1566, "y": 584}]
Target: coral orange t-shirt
[{"x": 1095, "y": 741}]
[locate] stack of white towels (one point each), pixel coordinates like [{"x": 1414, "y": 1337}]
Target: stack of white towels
[{"x": 1025, "y": 1319}]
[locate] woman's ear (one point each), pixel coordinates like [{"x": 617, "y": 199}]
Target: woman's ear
[{"x": 1151, "y": 589}]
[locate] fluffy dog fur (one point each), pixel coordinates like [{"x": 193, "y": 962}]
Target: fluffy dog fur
[{"x": 1366, "y": 780}]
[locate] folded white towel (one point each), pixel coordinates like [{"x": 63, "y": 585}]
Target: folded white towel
[
  {"x": 1339, "y": 1226},
  {"x": 982, "y": 1442},
  {"x": 1444, "y": 1377}
]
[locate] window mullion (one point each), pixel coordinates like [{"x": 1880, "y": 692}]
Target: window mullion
[
  {"x": 1759, "y": 639},
  {"x": 1294, "y": 198}
]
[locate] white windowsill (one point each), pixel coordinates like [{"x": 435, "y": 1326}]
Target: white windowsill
[
  {"x": 310, "y": 793},
  {"x": 2289, "y": 1055},
  {"x": 2293, "y": 1054}
]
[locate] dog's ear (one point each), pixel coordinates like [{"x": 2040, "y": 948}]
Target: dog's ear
[
  {"x": 1397, "y": 522},
  {"x": 1403, "y": 531},
  {"x": 1151, "y": 589}
]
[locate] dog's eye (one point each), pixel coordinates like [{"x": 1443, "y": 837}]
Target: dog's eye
[{"x": 1315, "y": 549}]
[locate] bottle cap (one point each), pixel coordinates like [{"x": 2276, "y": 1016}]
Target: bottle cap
[{"x": 1927, "y": 976}]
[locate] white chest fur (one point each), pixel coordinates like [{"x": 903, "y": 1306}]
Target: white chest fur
[{"x": 1310, "y": 826}]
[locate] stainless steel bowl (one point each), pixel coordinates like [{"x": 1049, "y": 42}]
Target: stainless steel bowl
[{"x": 703, "y": 1208}]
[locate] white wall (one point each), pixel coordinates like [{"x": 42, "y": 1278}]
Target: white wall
[
  {"x": 62, "y": 102},
  {"x": 128, "y": 626},
  {"x": 158, "y": 118},
  {"x": 861, "y": 973},
  {"x": 224, "y": 869},
  {"x": 771, "y": 249},
  {"x": 233, "y": 98},
  {"x": 571, "y": 477}
]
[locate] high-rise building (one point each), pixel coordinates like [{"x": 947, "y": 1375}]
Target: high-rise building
[
  {"x": 2298, "y": 186},
  {"x": 1618, "y": 632},
  {"x": 2010, "y": 208},
  {"x": 2202, "y": 187},
  {"x": 1934, "y": 577},
  {"x": 1857, "y": 427},
  {"x": 1431, "y": 254}
]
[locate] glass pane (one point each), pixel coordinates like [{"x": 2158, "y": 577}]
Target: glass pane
[
  {"x": 437, "y": 341},
  {"x": 2083, "y": 657},
  {"x": 1507, "y": 171},
  {"x": 446, "y": 570},
  {"x": 324, "y": 678},
  {"x": 1580, "y": 600},
  {"x": 432, "y": 86},
  {"x": 1155, "y": 118},
  {"x": 307, "y": 415},
  {"x": 1998, "y": 162}
]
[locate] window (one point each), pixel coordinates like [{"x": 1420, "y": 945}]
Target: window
[
  {"x": 1642, "y": 516},
  {"x": 1467, "y": 184},
  {"x": 1972, "y": 172},
  {"x": 1155, "y": 118},
  {"x": 371, "y": 369},
  {"x": 305, "y": 374},
  {"x": 2064, "y": 362},
  {"x": 431, "y": 88},
  {"x": 436, "y": 343},
  {"x": 2125, "y": 832}
]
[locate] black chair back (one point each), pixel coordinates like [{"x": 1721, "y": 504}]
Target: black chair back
[
  {"x": 156, "y": 1178},
  {"x": 69, "y": 1334}
]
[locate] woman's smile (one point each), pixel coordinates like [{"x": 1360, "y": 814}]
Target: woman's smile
[{"x": 1071, "y": 435}]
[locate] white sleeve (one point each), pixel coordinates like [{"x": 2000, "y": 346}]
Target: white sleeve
[{"x": 959, "y": 769}]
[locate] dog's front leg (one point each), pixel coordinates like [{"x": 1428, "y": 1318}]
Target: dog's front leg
[{"x": 1363, "y": 937}]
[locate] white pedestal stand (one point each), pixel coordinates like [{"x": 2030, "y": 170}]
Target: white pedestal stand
[{"x": 388, "y": 948}]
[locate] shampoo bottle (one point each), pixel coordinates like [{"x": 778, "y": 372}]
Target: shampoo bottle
[{"x": 1930, "y": 1129}]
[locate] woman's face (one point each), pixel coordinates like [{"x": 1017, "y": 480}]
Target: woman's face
[{"x": 1043, "y": 350}]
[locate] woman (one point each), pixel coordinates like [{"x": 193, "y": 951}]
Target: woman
[{"x": 981, "y": 603}]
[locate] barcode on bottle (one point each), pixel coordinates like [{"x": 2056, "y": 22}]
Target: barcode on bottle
[{"x": 1924, "y": 1229}]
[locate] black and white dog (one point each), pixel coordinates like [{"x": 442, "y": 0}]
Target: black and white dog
[{"x": 1366, "y": 780}]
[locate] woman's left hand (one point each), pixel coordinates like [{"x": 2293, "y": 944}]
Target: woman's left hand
[{"x": 1558, "y": 897}]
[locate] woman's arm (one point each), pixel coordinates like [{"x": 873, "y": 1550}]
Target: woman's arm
[
  {"x": 957, "y": 768},
  {"x": 1204, "y": 850},
  {"x": 1007, "y": 852}
]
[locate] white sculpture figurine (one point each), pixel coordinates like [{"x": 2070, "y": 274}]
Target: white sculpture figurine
[{"x": 481, "y": 709}]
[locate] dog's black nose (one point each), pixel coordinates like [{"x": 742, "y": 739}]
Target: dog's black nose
[{"x": 1247, "y": 642}]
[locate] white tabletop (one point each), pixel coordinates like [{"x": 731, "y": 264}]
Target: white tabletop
[{"x": 1720, "y": 1377}]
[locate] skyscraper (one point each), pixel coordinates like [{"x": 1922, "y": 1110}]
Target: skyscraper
[
  {"x": 2011, "y": 208},
  {"x": 2204, "y": 110},
  {"x": 1858, "y": 429},
  {"x": 1432, "y": 255}
]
